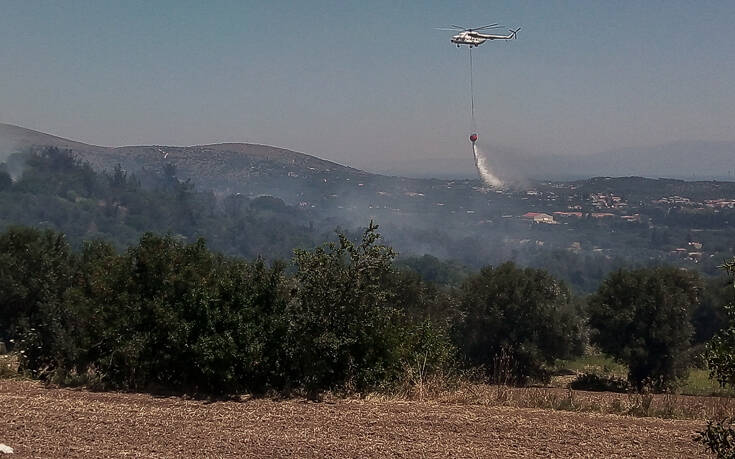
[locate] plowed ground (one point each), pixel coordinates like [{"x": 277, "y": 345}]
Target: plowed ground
[{"x": 42, "y": 422}]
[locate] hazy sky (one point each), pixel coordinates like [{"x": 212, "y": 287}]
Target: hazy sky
[{"x": 369, "y": 81}]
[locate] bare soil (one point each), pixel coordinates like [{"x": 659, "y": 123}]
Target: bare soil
[{"x": 48, "y": 422}]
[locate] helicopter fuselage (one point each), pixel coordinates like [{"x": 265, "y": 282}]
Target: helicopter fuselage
[
  {"x": 472, "y": 38},
  {"x": 467, "y": 38}
]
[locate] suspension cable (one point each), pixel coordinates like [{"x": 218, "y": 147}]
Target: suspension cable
[{"x": 473, "y": 126}]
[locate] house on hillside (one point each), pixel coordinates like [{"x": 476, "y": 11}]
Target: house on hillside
[{"x": 538, "y": 217}]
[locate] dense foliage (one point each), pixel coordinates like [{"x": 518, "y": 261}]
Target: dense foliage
[
  {"x": 167, "y": 314},
  {"x": 642, "y": 318},
  {"x": 720, "y": 353},
  {"x": 516, "y": 320},
  {"x": 710, "y": 315},
  {"x": 35, "y": 269},
  {"x": 719, "y": 435},
  {"x": 343, "y": 327}
]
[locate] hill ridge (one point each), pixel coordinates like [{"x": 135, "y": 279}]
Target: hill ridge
[
  {"x": 228, "y": 167},
  {"x": 18, "y": 137}
]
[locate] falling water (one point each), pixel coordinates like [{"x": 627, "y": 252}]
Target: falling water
[{"x": 484, "y": 168}]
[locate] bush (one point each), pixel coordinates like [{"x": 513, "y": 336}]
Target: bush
[
  {"x": 719, "y": 438},
  {"x": 429, "y": 346},
  {"x": 343, "y": 327},
  {"x": 719, "y": 435},
  {"x": 163, "y": 315},
  {"x": 518, "y": 319},
  {"x": 166, "y": 314},
  {"x": 710, "y": 317},
  {"x": 189, "y": 319},
  {"x": 176, "y": 316},
  {"x": 720, "y": 352},
  {"x": 642, "y": 319},
  {"x": 598, "y": 383},
  {"x": 36, "y": 268}
]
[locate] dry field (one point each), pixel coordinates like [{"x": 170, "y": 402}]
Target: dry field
[
  {"x": 671, "y": 406},
  {"x": 43, "y": 422}
]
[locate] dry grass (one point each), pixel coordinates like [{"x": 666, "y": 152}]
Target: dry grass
[
  {"x": 672, "y": 406},
  {"x": 8, "y": 366},
  {"x": 458, "y": 389},
  {"x": 43, "y": 422}
]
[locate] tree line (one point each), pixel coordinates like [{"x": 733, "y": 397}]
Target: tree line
[
  {"x": 169, "y": 314},
  {"x": 54, "y": 189},
  {"x": 165, "y": 313}
]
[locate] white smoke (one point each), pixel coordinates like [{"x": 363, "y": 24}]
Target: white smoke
[{"x": 484, "y": 168}]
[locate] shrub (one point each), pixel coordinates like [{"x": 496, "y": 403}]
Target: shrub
[
  {"x": 164, "y": 314},
  {"x": 343, "y": 327},
  {"x": 720, "y": 352},
  {"x": 718, "y": 437},
  {"x": 35, "y": 269},
  {"x": 642, "y": 319},
  {"x": 170, "y": 315},
  {"x": 598, "y": 383},
  {"x": 518, "y": 319},
  {"x": 185, "y": 318}
]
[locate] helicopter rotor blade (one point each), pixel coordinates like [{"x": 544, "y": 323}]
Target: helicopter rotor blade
[
  {"x": 459, "y": 27},
  {"x": 489, "y": 26}
]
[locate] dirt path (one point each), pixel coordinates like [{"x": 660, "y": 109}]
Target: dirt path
[{"x": 44, "y": 422}]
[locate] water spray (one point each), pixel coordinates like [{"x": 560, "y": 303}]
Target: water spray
[{"x": 483, "y": 168}]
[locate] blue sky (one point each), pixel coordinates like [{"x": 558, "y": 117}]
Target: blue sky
[{"x": 368, "y": 82}]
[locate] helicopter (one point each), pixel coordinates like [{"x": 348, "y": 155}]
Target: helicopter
[{"x": 472, "y": 37}]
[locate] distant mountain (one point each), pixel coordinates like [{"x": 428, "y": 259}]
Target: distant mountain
[{"x": 227, "y": 167}]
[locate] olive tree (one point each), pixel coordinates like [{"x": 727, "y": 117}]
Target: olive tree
[
  {"x": 642, "y": 318},
  {"x": 516, "y": 321}
]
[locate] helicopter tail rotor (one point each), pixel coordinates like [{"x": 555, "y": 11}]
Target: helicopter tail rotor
[{"x": 514, "y": 33}]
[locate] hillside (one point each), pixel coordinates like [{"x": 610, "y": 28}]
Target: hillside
[
  {"x": 16, "y": 138},
  {"x": 227, "y": 168}
]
